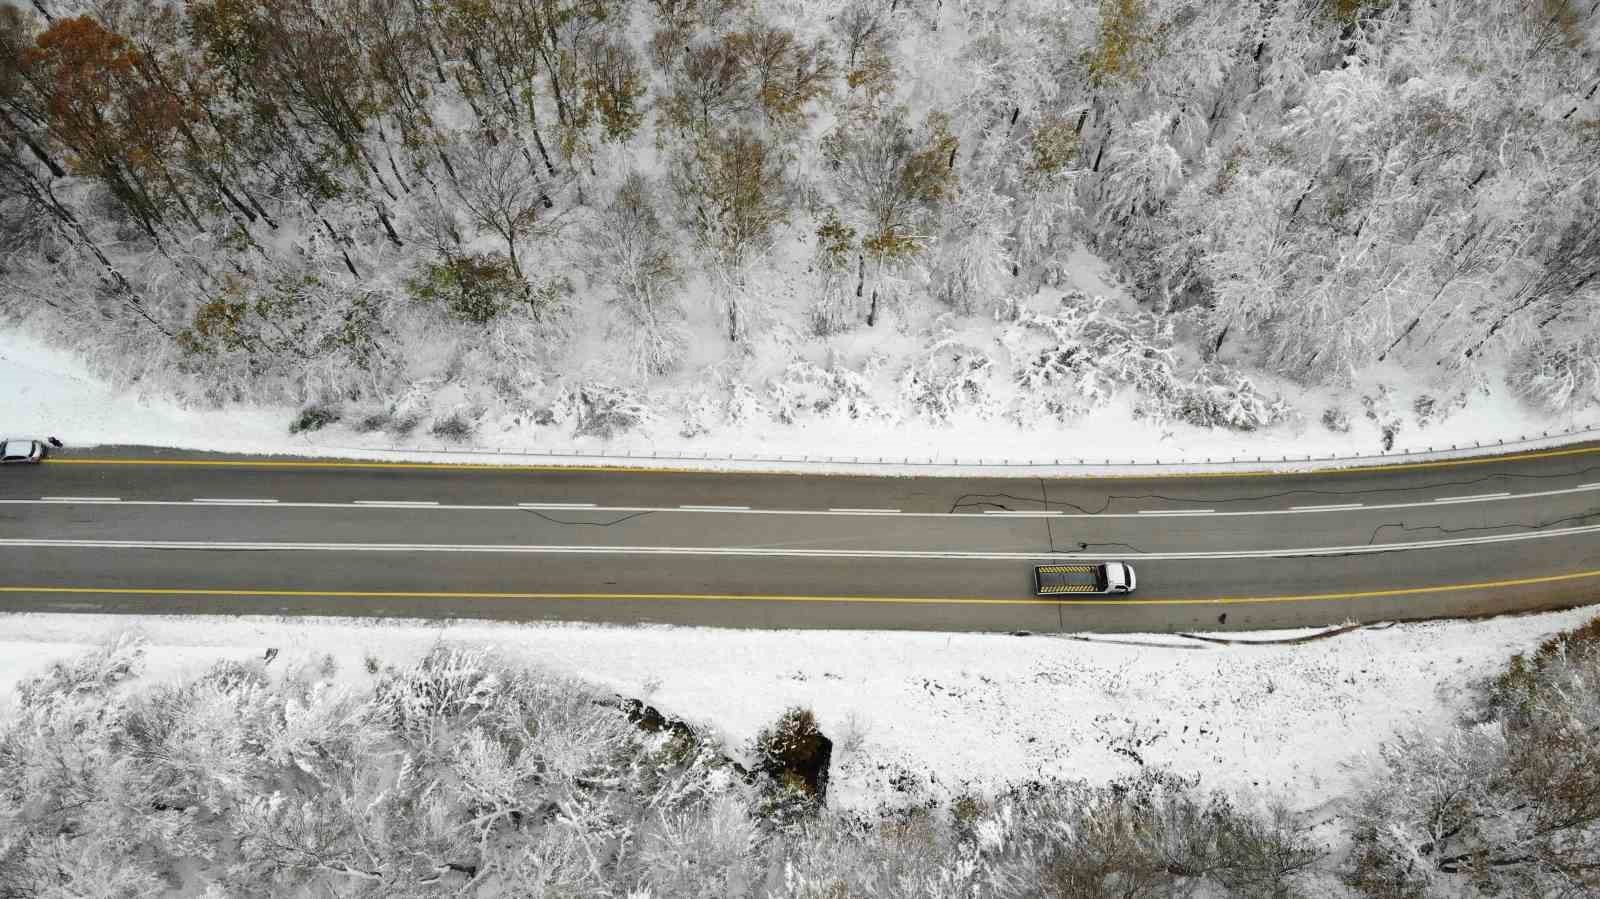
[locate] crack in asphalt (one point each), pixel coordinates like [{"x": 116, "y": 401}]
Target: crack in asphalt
[
  {"x": 979, "y": 500},
  {"x": 590, "y": 524},
  {"x": 1405, "y": 528}
]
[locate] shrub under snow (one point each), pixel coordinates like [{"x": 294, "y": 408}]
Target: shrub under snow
[
  {"x": 463, "y": 775},
  {"x": 1079, "y": 357},
  {"x": 951, "y": 377},
  {"x": 805, "y": 389},
  {"x": 1506, "y": 806},
  {"x": 603, "y": 410},
  {"x": 1557, "y": 375}
]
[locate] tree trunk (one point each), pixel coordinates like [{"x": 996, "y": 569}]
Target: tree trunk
[
  {"x": 387, "y": 226},
  {"x": 511, "y": 251},
  {"x": 38, "y": 151}
]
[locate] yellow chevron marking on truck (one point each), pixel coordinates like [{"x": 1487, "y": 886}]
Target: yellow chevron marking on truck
[{"x": 1065, "y": 569}]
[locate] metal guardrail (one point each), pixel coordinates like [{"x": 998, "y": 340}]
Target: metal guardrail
[{"x": 643, "y": 458}]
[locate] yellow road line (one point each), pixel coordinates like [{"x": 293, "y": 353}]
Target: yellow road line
[
  {"x": 736, "y": 597},
  {"x": 644, "y": 469}
]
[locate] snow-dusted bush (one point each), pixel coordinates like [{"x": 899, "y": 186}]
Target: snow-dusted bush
[
  {"x": 794, "y": 755},
  {"x": 408, "y": 411},
  {"x": 743, "y": 403},
  {"x": 1153, "y": 836},
  {"x": 92, "y": 673},
  {"x": 951, "y": 377},
  {"x": 458, "y": 424},
  {"x": 456, "y": 775},
  {"x": 1557, "y": 375},
  {"x": 1216, "y": 397},
  {"x": 723, "y": 398},
  {"x": 314, "y": 417},
  {"x": 604, "y": 410},
  {"x": 373, "y": 420},
  {"x": 804, "y": 389},
  {"x": 1509, "y": 806},
  {"x": 1379, "y": 410},
  {"x": 1077, "y": 358},
  {"x": 461, "y": 774},
  {"x": 1336, "y": 420}
]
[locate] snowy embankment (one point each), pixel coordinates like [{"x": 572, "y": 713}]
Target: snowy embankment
[
  {"x": 919, "y": 717},
  {"x": 50, "y": 391}
]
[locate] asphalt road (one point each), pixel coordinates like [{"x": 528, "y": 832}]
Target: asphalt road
[{"x": 142, "y": 530}]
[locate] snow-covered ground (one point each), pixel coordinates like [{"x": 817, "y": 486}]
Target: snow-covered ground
[
  {"x": 932, "y": 716},
  {"x": 50, "y": 391}
]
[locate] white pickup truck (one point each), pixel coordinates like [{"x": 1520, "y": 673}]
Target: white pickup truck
[{"x": 1091, "y": 578}]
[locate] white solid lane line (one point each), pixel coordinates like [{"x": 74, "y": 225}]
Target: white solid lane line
[
  {"x": 237, "y": 502},
  {"x": 1471, "y": 499},
  {"x": 398, "y": 503},
  {"x": 80, "y": 499},
  {"x": 1023, "y": 513},
  {"x": 868, "y": 511},
  {"x": 555, "y": 505},
  {"x": 1332, "y": 507},
  {"x": 688, "y": 508},
  {"x": 1357, "y": 549},
  {"x": 1177, "y": 511}
]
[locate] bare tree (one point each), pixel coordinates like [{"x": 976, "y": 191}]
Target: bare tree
[
  {"x": 732, "y": 193},
  {"x": 896, "y": 178},
  {"x": 631, "y": 251},
  {"x": 503, "y": 195}
]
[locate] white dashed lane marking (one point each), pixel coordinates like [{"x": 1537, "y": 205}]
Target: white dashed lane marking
[
  {"x": 1469, "y": 499},
  {"x": 1333, "y": 507},
  {"x": 235, "y": 501}
]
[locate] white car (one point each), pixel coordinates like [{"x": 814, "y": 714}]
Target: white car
[{"x": 16, "y": 451}]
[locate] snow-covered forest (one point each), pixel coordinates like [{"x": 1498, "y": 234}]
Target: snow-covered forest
[
  {"x": 582, "y": 215},
  {"x": 466, "y": 774}
]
